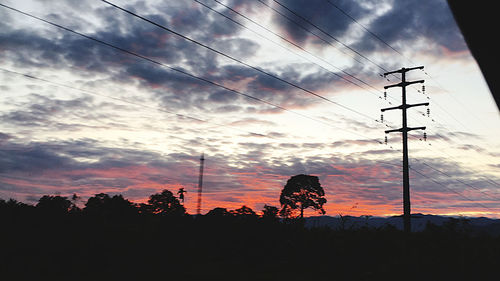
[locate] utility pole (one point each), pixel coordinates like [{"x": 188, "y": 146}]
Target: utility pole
[
  {"x": 405, "y": 129},
  {"x": 200, "y": 184}
]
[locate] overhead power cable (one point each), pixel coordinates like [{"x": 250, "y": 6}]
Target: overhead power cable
[
  {"x": 197, "y": 119},
  {"x": 329, "y": 35},
  {"x": 183, "y": 71},
  {"x": 289, "y": 42},
  {"x": 450, "y": 189},
  {"x": 408, "y": 59},
  {"x": 366, "y": 29},
  {"x": 127, "y": 101},
  {"x": 462, "y": 182},
  {"x": 447, "y": 155},
  {"x": 318, "y": 28},
  {"x": 237, "y": 60},
  {"x": 142, "y": 57}
]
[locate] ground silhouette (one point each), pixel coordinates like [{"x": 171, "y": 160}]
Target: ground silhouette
[{"x": 111, "y": 238}]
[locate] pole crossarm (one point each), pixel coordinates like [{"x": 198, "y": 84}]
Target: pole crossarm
[
  {"x": 415, "y": 128},
  {"x": 417, "y": 104},
  {"x": 407, "y": 129},
  {"x": 403, "y": 70},
  {"x": 404, "y": 106},
  {"x": 404, "y": 84},
  {"x": 392, "y": 108},
  {"x": 394, "y": 130}
]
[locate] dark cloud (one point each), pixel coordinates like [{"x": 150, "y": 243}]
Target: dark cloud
[
  {"x": 174, "y": 89},
  {"x": 49, "y": 113},
  {"x": 222, "y": 97},
  {"x": 4, "y": 137},
  {"x": 411, "y": 20},
  {"x": 40, "y": 109},
  {"x": 318, "y": 12},
  {"x": 401, "y": 26}
]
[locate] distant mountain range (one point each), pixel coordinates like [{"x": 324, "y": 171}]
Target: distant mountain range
[{"x": 418, "y": 221}]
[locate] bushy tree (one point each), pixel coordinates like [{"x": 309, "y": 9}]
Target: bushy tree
[
  {"x": 55, "y": 205},
  {"x": 302, "y": 192},
  {"x": 218, "y": 212},
  {"x": 103, "y": 204},
  {"x": 244, "y": 211},
  {"x": 165, "y": 203},
  {"x": 270, "y": 212}
]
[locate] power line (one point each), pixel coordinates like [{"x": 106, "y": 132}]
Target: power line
[
  {"x": 171, "y": 112},
  {"x": 117, "y": 48},
  {"x": 321, "y": 38},
  {"x": 450, "y": 189},
  {"x": 189, "y": 74},
  {"x": 290, "y": 42},
  {"x": 318, "y": 28},
  {"x": 329, "y": 35},
  {"x": 366, "y": 29},
  {"x": 408, "y": 59},
  {"x": 489, "y": 180},
  {"x": 462, "y": 182},
  {"x": 185, "y": 116},
  {"x": 175, "y": 69},
  {"x": 129, "y": 102},
  {"x": 237, "y": 60}
]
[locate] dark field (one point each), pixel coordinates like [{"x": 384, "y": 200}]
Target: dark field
[{"x": 39, "y": 245}]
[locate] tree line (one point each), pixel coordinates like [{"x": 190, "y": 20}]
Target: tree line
[
  {"x": 163, "y": 203},
  {"x": 112, "y": 238},
  {"x": 299, "y": 193}
]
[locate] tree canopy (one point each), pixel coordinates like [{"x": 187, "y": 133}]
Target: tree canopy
[
  {"x": 165, "y": 203},
  {"x": 55, "y": 204},
  {"x": 301, "y": 192}
]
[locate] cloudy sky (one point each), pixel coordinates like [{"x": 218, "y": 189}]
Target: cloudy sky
[{"x": 96, "y": 99}]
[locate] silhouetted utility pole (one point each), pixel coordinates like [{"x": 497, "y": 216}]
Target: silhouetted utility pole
[
  {"x": 200, "y": 184},
  {"x": 405, "y": 129}
]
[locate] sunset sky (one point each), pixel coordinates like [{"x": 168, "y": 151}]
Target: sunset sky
[{"x": 265, "y": 89}]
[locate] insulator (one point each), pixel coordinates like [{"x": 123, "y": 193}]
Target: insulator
[
  {"x": 428, "y": 112},
  {"x": 382, "y": 118},
  {"x": 385, "y": 95},
  {"x": 425, "y": 136},
  {"x": 423, "y": 89},
  {"x": 385, "y": 140}
]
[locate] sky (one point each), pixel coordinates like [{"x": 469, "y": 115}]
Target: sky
[{"x": 94, "y": 99}]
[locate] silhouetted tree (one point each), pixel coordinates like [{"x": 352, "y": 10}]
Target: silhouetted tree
[
  {"x": 270, "y": 212},
  {"x": 165, "y": 203},
  {"x": 219, "y": 212},
  {"x": 13, "y": 204},
  {"x": 244, "y": 211},
  {"x": 103, "y": 204},
  {"x": 11, "y": 209},
  {"x": 55, "y": 205},
  {"x": 97, "y": 204},
  {"x": 301, "y": 192}
]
